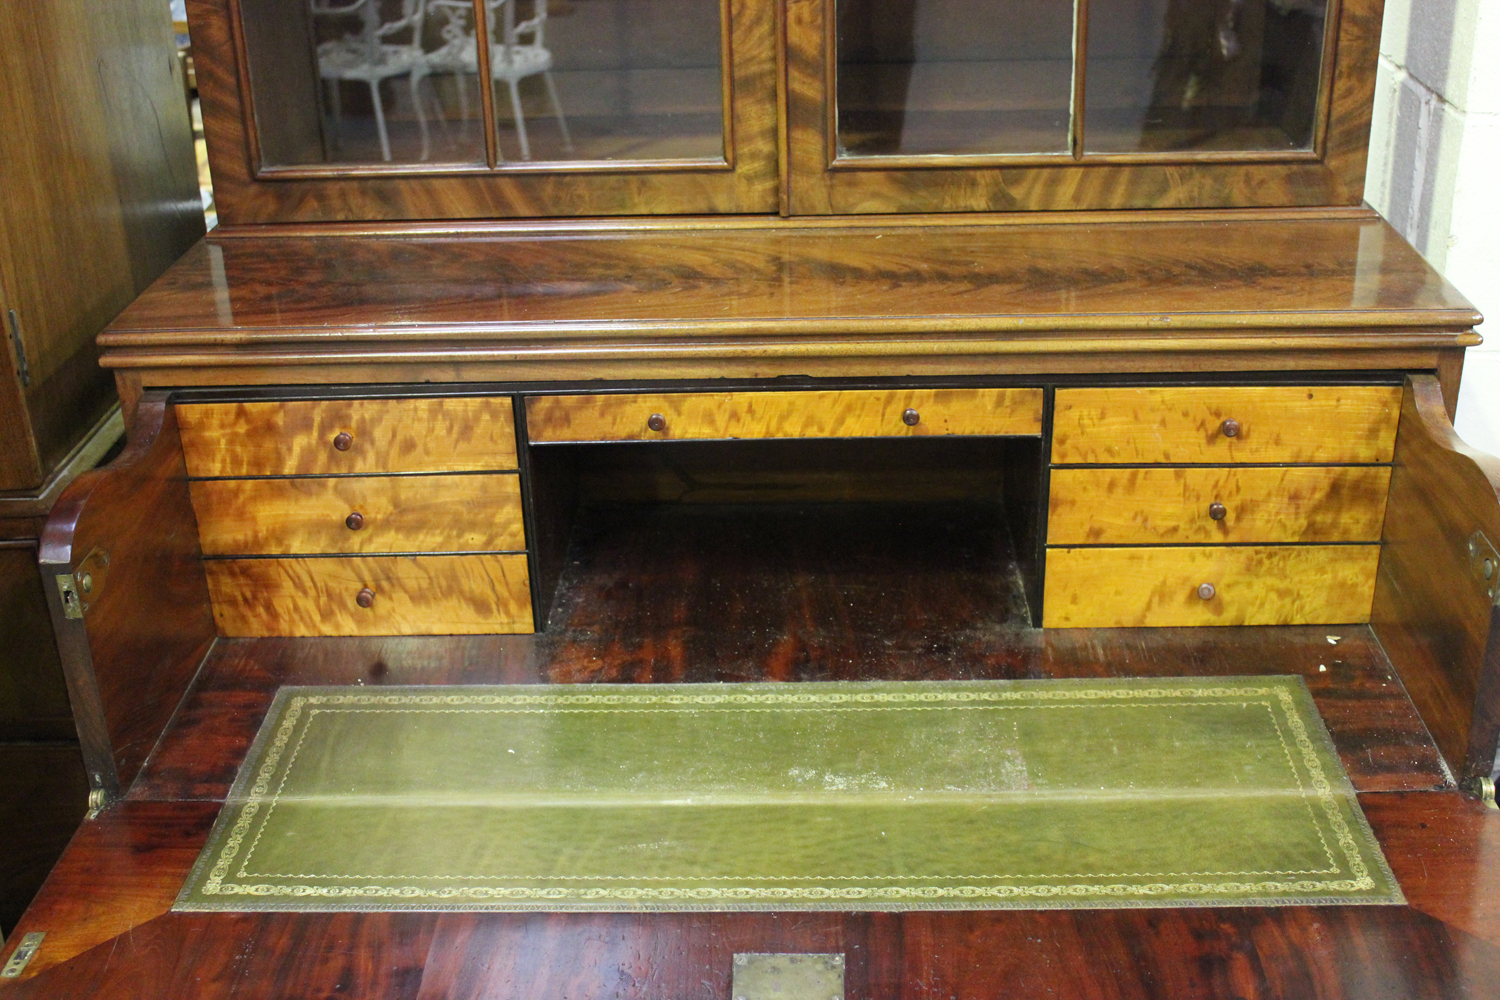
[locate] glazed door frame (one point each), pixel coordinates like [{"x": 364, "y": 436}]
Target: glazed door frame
[
  {"x": 822, "y": 182},
  {"x": 249, "y": 192}
]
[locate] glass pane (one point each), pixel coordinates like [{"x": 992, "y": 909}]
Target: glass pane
[
  {"x": 954, "y": 76},
  {"x": 347, "y": 81},
  {"x": 607, "y": 79},
  {"x": 1202, "y": 74}
]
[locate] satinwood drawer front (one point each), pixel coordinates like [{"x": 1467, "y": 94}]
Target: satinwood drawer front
[
  {"x": 348, "y": 436},
  {"x": 372, "y": 595},
  {"x": 811, "y": 414},
  {"x": 1215, "y": 585},
  {"x": 297, "y": 516},
  {"x": 1292, "y": 424},
  {"x": 1209, "y": 504}
]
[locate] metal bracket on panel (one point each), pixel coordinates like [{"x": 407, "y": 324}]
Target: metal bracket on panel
[
  {"x": 67, "y": 589},
  {"x": 23, "y": 954},
  {"x": 1484, "y": 562},
  {"x": 788, "y": 977}
]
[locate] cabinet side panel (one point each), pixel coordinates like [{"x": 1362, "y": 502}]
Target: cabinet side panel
[{"x": 1432, "y": 612}]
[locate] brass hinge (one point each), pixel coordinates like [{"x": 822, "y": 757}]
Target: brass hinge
[
  {"x": 1484, "y": 563},
  {"x": 23, "y": 368},
  {"x": 98, "y": 799},
  {"x": 1482, "y": 789}
]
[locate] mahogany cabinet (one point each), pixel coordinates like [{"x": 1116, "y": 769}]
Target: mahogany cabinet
[
  {"x": 803, "y": 340},
  {"x": 816, "y": 107}
]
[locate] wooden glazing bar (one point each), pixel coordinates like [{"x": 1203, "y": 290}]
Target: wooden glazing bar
[
  {"x": 1079, "y": 96},
  {"x": 486, "y": 83}
]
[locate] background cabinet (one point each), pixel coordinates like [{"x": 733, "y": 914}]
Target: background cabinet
[{"x": 100, "y": 196}]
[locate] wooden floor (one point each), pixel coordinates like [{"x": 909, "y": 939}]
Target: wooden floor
[{"x": 675, "y": 598}]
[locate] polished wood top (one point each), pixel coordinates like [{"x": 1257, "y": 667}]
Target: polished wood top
[{"x": 1232, "y": 281}]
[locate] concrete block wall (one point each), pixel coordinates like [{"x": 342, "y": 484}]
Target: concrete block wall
[{"x": 1435, "y": 167}]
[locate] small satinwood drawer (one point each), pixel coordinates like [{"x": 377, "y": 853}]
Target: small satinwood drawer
[
  {"x": 348, "y": 436},
  {"x": 1216, "y": 585},
  {"x": 297, "y": 516},
  {"x": 1209, "y": 504},
  {"x": 812, "y": 414},
  {"x": 1293, "y": 424},
  {"x": 374, "y": 595}
]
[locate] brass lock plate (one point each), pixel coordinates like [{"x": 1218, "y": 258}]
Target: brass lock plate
[{"x": 788, "y": 977}]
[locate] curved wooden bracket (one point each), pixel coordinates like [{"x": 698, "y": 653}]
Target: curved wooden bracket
[
  {"x": 1433, "y": 613},
  {"x": 130, "y": 649}
]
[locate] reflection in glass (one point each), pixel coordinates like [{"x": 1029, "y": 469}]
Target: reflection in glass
[
  {"x": 1203, "y": 74},
  {"x": 397, "y": 81},
  {"x": 954, "y": 76},
  {"x": 638, "y": 80}
]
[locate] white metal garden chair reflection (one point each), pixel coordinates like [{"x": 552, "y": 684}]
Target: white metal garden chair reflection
[
  {"x": 511, "y": 58},
  {"x": 369, "y": 57}
]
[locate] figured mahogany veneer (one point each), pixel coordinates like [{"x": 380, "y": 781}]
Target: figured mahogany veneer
[
  {"x": 813, "y": 414},
  {"x": 1247, "y": 585},
  {"x": 1145, "y": 506},
  {"x": 725, "y": 298},
  {"x": 1226, "y": 424},
  {"x": 347, "y": 436}
]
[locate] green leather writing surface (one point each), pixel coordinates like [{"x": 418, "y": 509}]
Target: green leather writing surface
[{"x": 856, "y": 796}]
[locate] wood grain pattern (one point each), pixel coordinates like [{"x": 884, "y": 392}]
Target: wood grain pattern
[
  {"x": 1254, "y": 585},
  {"x": 1253, "y": 278},
  {"x": 746, "y": 181},
  {"x": 101, "y": 197},
  {"x": 131, "y": 657},
  {"x": 809, "y": 414},
  {"x": 388, "y": 435},
  {"x": 1431, "y": 611},
  {"x": 414, "y": 595},
  {"x": 43, "y": 795},
  {"x": 1185, "y": 424},
  {"x": 127, "y": 866},
  {"x": 469, "y": 513},
  {"x": 1440, "y": 947},
  {"x": 1132, "y": 506},
  {"x": 135, "y": 855},
  {"x": 824, "y": 183}
]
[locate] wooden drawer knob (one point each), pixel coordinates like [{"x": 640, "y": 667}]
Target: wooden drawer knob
[
  {"x": 1206, "y": 591},
  {"x": 1230, "y": 428},
  {"x": 911, "y": 418},
  {"x": 1217, "y": 511},
  {"x": 354, "y": 521},
  {"x": 657, "y": 422},
  {"x": 365, "y": 598},
  {"x": 342, "y": 441}
]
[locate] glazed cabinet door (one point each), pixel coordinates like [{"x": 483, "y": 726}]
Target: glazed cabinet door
[
  {"x": 1016, "y": 105},
  {"x": 322, "y": 110}
]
